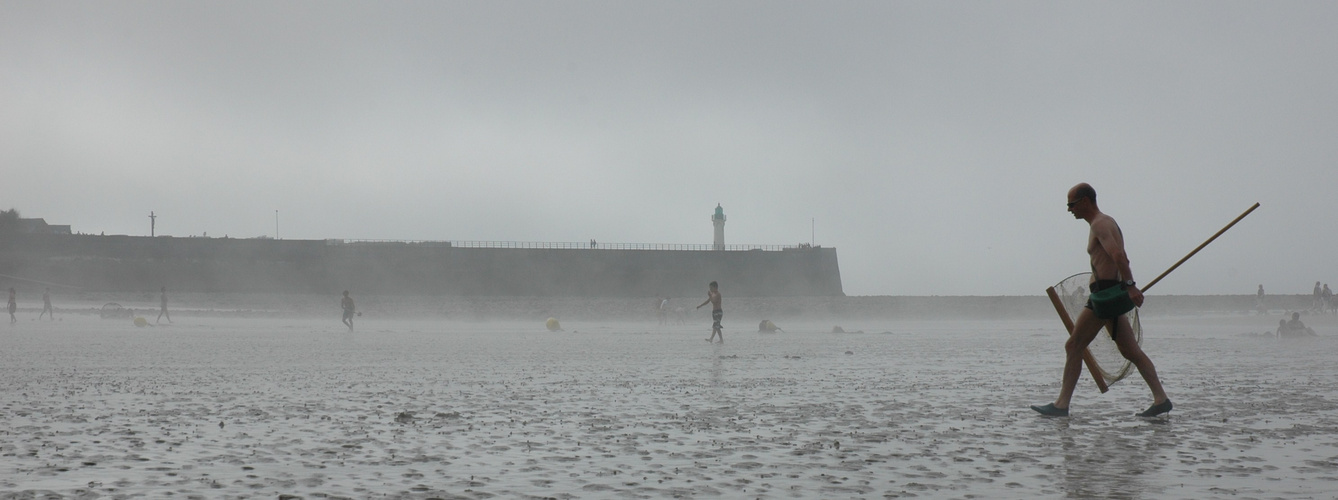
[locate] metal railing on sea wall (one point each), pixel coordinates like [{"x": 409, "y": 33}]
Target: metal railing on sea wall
[{"x": 572, "y": 245}]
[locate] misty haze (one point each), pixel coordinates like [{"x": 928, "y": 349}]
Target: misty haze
[{"x": 666, "y": 249}]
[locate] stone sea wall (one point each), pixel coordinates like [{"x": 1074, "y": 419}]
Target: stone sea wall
[{"x": 222, "y": 265}]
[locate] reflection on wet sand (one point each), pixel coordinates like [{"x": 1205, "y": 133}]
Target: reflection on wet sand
[{"x": 1107, "y": 459}]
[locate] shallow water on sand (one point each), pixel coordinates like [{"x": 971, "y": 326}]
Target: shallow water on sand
[{"x": 234, "y": 407}]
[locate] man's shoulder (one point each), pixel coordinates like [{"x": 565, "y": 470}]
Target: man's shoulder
[{"x": 1102, "y": 222}]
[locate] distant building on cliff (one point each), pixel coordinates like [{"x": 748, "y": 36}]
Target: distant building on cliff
[{"x": 39, "y": 226}]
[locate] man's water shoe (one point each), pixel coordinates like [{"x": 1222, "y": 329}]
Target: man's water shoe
[
  {"x": 1051, "y": 410},
  {"x": 1157, "y": 409}
]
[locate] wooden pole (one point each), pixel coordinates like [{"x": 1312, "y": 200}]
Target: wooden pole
[
  {"x": 1145, "y": 288},
  {"x": 1068, "y": 325}
]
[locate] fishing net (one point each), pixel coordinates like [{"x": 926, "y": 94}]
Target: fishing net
[{"x": 1073, "y": 292}]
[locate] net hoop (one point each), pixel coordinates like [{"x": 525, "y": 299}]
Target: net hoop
[{"x": 1073, "y": 292}]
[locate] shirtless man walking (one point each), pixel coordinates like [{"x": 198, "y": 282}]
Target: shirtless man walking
[
  {"x": 347, "y": 304},
  {"x": 1110, "y": 268},
  {"x": 13, "y": 306},
  {"x": 713, "y": 298},
  {"x": 163, "y": 311},
  {"x": 46, "y": 305}
]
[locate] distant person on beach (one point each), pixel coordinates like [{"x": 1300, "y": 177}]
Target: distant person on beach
[
  {"x": 1110, "y": 268},
  {"x": 713, "y": 298},
  {"x": 1294, "y": 328},
  {"x": 1315, "y": 303},
  {"x": 1326, "y": 296},
  {"x": 1295, "y": 323},
  {"x": 13, "y": 306},
  {"x": 163, "y": 308},
  {"x": 46, "y": 305},
  {"x": 662, "y": 311},
  {"x": 1259, "y": 301},
  {"x": 347, "y": 304}
]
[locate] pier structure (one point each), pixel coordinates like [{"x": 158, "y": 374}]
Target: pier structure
[
  {"x": 448, "y": 268},
  {"x": 420, "y": 267}
]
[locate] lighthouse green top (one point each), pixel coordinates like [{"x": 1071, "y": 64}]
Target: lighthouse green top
[{"x": 719, "y": 212}]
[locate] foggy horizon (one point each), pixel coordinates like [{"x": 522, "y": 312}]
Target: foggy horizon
[{"x": 931, "y": 144}]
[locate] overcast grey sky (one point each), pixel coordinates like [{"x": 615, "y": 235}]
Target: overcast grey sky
[{"x": 931, "y": 143}]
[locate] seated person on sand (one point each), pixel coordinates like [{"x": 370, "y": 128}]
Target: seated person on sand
[
  {"x": 1295, "y": 327},
  {"x": 766, "y": 326}
]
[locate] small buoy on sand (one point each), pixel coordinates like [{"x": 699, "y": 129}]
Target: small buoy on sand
[
  {"x": 553, "y": 325},
  {"x": 141, "y": 322}
]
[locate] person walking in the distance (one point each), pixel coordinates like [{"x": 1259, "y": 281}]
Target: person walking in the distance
[
  {"x": 713, "y": 298},
  {"x": 1110, "y": 268},
  {"x": 46, "y": 305},
  {"x": 163, "y": 310},
  {"x": 13, "y": 305},
  {"x": 347, "y": 304},
  {"x": 1317, "y": 303}
]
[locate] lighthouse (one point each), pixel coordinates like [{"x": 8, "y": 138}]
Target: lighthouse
[{"x": 719, "y": 220}]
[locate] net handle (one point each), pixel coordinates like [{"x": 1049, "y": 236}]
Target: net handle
[
  {"x": 1087, "y": 358},
  {"x": 1145, "y": 288}
]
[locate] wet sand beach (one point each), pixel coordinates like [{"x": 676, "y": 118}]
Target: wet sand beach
[{"x": 223, "y": 407}]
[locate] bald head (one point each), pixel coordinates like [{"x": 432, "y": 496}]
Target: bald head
[{"x": 1082, "y": 190}]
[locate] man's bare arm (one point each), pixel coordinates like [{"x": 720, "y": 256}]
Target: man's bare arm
[
  {"x": 1107, "y": 233},
  {"x": 1112, "y": 242}
]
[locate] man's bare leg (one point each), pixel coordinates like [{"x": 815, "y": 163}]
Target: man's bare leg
[
  {"x": 1085, "y": 329},
  {"x": 1131, "y": 351},
  {"x": 1134, "y": 353}
]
